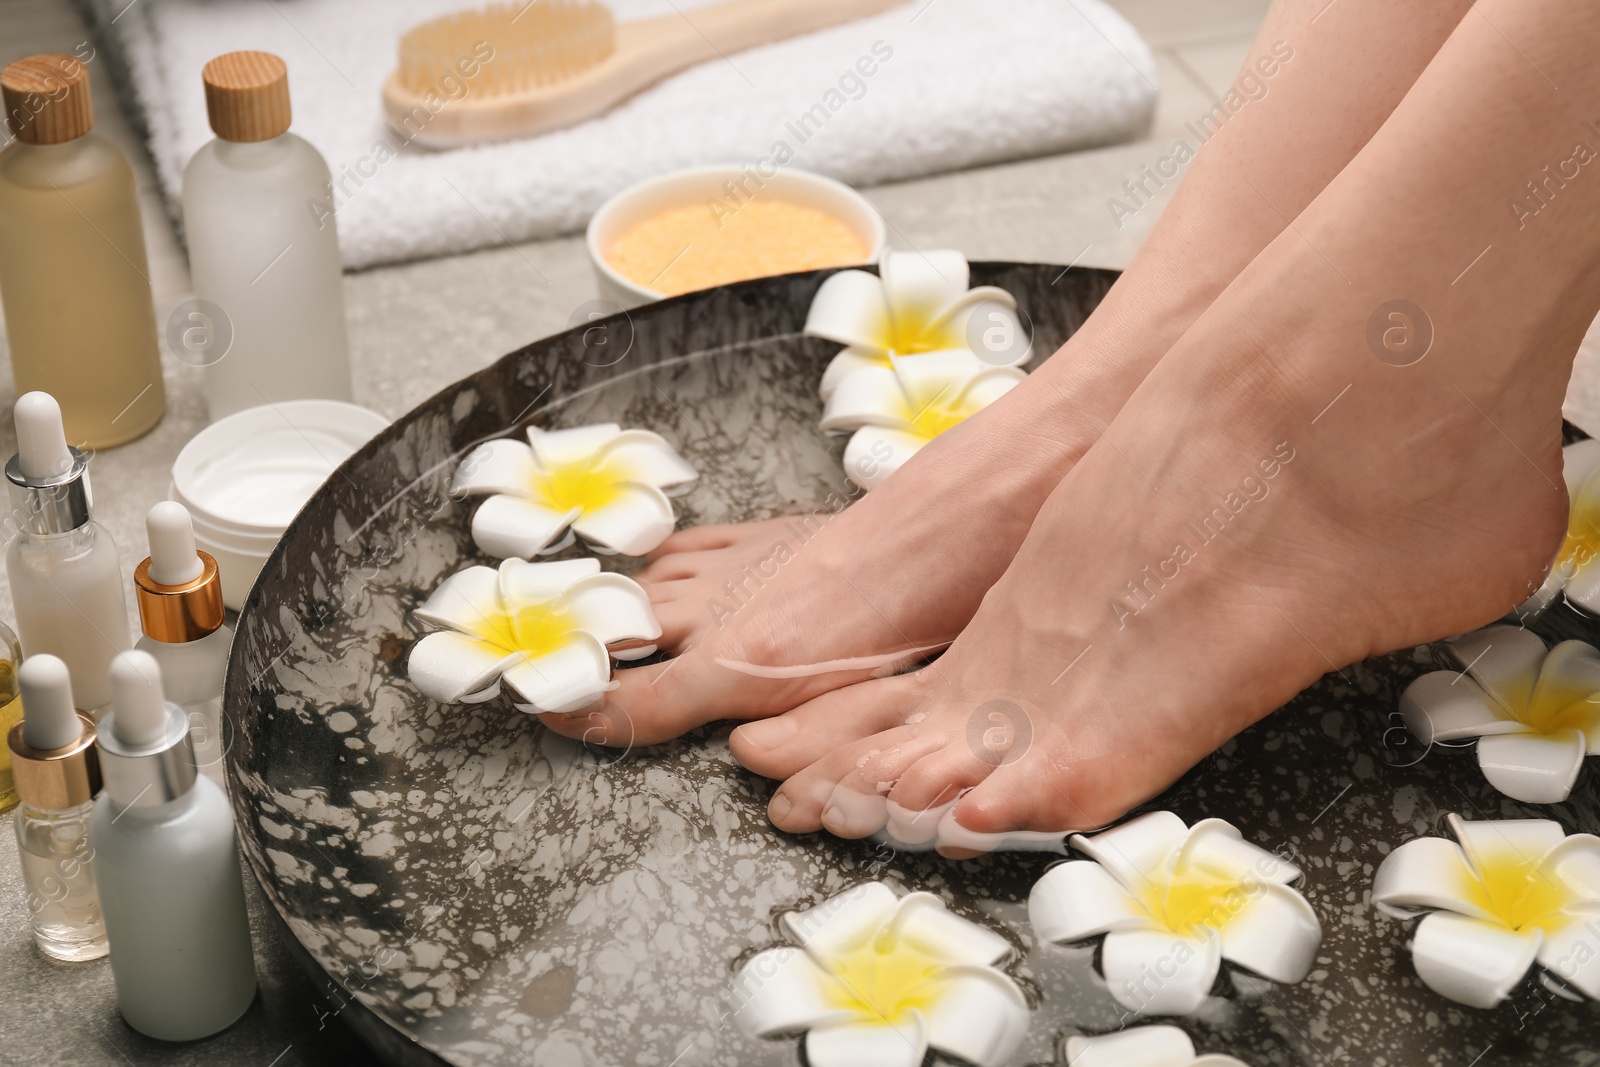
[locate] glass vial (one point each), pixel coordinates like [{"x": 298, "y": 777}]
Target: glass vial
[
  {"x": 10, "y": 711},
  {"x": 180, "y": 608},
  {"x": 259, "y": 249},
  {"x": 66, "y": 578},
  {"x": 73, "y": 275},
  {"x": 54, "y": 759}
]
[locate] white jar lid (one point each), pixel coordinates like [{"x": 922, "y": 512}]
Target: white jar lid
[{"x": 250, "y": 473}]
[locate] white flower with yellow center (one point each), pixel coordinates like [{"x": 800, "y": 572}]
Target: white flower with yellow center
[
  {"x": 1512, "y": 893},
  {"x": 1576, "y": 569},
  {"x": 1172, "y": 904},
  {"x": 917, "y": 302},
  {"x": 602, "y": 483},
  {"x": 895, "y": 410},
  {"x": 1142, "y": 1046},
  {"x": 1535, "y": 711},
  {"x": 547, "y": 630},
  {"x": 879, "y": 979}
]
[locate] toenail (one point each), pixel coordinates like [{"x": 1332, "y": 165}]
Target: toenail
[
  {"x": 779, "y": 808},
  {"x": 769, "y": 733},
  {"x": 833, "y": 818}
]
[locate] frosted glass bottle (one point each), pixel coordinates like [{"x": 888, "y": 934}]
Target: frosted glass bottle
[
  {"x": 257, "y": 248},
  {"x": 179, "y": 592},
  {"x": 66, "y": 579},
  {"x": 168, "y": 868},
  {"x": 73, "y": 275}
]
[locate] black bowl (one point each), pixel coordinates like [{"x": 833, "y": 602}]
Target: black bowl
[{"x": 480, "y": 891}]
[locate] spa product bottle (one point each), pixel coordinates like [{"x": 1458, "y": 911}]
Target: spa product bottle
[
  {"x": 168, "y": 869},
  {"x": 73, "y": 275},
  {"x": 180, "y": 607},
  {"x": 10, "y": 710},
  {"x": 258, "y": 216},
  {"x": 58, "y": 773},
  {"x": 66, "y": 580}
]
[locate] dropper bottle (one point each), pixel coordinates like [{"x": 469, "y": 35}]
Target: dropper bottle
[
  {"x": 180, "y": 607},
  {"x": 66, "y": 580},
  {"x": 57, "y": 774},
  {"x": 168, "y": 868}
]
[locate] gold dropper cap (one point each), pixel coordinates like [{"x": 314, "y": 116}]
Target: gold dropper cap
[
  {"x": 179, "y": 613},
  {"x": 47, "y": 98},
  {"x": 57, "y": 778},
  {"x": 247, "y": 96}
]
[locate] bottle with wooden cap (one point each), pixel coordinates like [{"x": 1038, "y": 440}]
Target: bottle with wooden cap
[
  {"x": 73, "y": 276},
  {"x": 180, "y": 607},
  {"x": 262, "y": 248},
  {"x": 57, "y": 767}
]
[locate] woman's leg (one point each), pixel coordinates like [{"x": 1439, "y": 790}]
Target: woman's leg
[
  {"x": 906, "y": 567},
  {"x": 1282, "y": 495}
]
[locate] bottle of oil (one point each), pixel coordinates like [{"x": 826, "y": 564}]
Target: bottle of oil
[
  {"x": 10, "y": 710},
  {"x": 73, "y": 276}
]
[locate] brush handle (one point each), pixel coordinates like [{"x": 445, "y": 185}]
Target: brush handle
[{"x": 647, "y": 51}]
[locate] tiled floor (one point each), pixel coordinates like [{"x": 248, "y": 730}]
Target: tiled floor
[{"x": 418, "y": 326}]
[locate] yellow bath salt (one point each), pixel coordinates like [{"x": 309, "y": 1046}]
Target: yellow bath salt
[{"x": 693, "y": 247}]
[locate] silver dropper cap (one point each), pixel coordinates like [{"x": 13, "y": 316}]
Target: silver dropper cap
[
  {"x": 48, "y": 479},
  {"x": 146, "y": 755}
]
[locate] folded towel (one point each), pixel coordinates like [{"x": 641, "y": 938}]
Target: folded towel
[{"x": 955, "y": 83}]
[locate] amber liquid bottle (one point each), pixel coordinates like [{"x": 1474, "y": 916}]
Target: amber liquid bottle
[{"x": 74, "y": 280}]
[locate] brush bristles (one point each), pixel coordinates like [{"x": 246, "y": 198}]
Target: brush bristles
[{"x": 534, "y": 44}]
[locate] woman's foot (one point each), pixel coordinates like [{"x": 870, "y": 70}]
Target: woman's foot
[
  {"x": 900, "y": 573},
  {"x": 1288, "y": 492}
]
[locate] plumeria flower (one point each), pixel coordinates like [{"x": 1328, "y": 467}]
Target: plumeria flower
[
  {"x": 1535, "y": 711},
  {"x": 1173, "y": 903},
  {"x": 878, "y": 979},
  {"x": 1575, "y": 570},
  {"x": 1512, "y": 893},
  {"x": 601, "y": 483},
  {"x": 894, "y": 410},
  {"x": 547, "y": 630},
  {"x": 1142, "y": 1046},
  {"x": 917, "y": 302}
]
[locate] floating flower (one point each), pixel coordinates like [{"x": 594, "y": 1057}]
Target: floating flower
[
  {"x": 601, "y": 483},
  {"x": 917, "y": 302},
  {"x": 547, "y": 630},
  {"x": 1143, "y": 1046},
  {"x": 1173, "y": 903},
  {"x": 1534, "y": 711},
  {"x": 1512, "y": 893},
  {"x": 1575, "y": 570},
  {"x": 896, "y": 410},
  {"x": 879, "y": 979}
]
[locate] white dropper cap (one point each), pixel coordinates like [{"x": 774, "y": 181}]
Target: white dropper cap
[
  {"x": 48, "y": 718},
  {"x": 173, "y": 559},
  {"x": 42, "y": 451},
  {"x": 139, "y": 707}
]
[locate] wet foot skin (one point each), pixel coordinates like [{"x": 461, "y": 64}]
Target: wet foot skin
[
  {"x": 1281, "y": 497},
  {"x": 903, "y": 571}
]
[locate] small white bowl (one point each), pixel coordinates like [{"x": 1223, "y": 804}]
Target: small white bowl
[
  {"x": 699, "y": 184},
  {"x": 245, "y": 477}
]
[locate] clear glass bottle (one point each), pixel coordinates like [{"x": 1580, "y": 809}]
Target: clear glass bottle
[
  {"x": 179, "y": 591},
  {"x": 54, "y": 758},
  {"x": 73, "y": 275},
  {"x": 259, "y": 248},
  {"x": 66, "y": 579},
  {"x": 10, "y": 710}
]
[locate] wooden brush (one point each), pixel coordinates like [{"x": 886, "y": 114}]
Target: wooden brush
[{"x": 511, "y": 70}]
